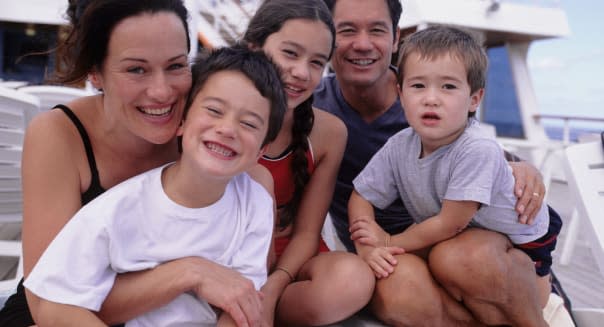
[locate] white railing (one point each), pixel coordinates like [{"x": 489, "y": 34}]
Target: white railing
[
  {"x": 539, "y": 3},
  {"x": 567, "y": 123}
]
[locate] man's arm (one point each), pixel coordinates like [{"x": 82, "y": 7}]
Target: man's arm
[{"x": 529, "y": 189}]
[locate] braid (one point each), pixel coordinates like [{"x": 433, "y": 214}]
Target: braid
[{"x": 303, "y": 122}]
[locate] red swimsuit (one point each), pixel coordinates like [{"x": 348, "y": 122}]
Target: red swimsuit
[{"x": 283, "y": 178}]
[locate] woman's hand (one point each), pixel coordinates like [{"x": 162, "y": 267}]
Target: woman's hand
[{"x": 529, "y": 190}]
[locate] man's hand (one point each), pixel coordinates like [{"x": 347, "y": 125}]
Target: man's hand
[{"x": 529, "y": 189}]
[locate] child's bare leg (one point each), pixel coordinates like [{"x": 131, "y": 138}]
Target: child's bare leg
[{"x": 330, "y": 287}]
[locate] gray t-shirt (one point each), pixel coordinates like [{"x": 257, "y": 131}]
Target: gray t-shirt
[{"x": 472, "y": 168}]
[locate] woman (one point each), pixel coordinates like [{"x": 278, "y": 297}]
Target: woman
[
  {"x": 136, "y": 53},
  {"x": 305, "y": 288}
]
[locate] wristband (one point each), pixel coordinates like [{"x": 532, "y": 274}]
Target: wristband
[{"x": 291, "y": 277}]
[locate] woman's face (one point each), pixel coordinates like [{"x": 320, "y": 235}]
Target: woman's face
[
  {"x": 145, "y": 76},
  {"x": 301, "y": 49}
]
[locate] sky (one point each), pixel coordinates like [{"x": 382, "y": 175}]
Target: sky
[{"x": 568, "y": 73}]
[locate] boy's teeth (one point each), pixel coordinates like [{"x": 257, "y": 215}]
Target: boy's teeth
[
  {"x": 156, "y": 111},
  {"x": 220, "y": 150}
]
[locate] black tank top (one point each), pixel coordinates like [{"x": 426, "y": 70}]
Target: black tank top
[
  {"x": 16, "y": 312},
  {"x": 95, "y": 189}
]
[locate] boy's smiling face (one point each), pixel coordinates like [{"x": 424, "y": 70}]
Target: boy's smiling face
[{"x": 224, "y": 129}]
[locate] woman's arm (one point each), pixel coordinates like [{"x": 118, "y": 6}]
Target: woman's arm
[
  {"x": 51, "y": 186},
  {"x": 55, "y": 173},
  {"x": 56, "y": 314}
]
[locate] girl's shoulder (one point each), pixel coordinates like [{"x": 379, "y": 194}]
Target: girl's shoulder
[
  {"x": 328, "y": 124},
  {"x": 329, "y": 133}
]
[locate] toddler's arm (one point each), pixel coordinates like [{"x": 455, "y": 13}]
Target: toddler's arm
[
  {"x": 363, "y": 228},
  {"x": 453, "y": 218},
  {"x": 370, "y": 240}
]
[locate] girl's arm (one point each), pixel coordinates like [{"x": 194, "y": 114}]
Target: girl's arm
[
  {"x": 328, "y": 139},
  {"x": 453, "y": 218}
]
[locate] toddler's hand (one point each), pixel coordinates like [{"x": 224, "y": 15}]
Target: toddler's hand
[
  {"x": 368, "y": 232},
  {"x": 381, "y": 259}
]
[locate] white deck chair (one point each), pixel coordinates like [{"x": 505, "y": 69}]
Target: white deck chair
[
  {"x": 51, "y": 95},
  {"x": 16, "y": 109},
  {"x": 585, "y": 174},
  {"x": 584, "y": 168}
]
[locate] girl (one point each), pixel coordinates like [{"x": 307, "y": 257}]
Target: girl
[{"x": 308, "y": 285}]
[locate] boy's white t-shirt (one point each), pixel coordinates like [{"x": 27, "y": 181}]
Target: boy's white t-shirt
[{"x": 134, "y": 226}]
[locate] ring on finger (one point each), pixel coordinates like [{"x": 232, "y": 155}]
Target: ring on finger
[{"x": 535, "y": 194}]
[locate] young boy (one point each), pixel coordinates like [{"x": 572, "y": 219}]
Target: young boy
[
  {"x": 203, "y": 205},
  {"x": 448, "y": 174}
]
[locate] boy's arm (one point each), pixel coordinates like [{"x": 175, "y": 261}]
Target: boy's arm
[
  {"x": 57, "y": 314},
  {"x": 453, "y": 218}
]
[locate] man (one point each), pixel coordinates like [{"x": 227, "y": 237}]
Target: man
[{"x": 459, "y": 286}]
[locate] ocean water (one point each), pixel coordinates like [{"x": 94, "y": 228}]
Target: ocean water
[{"x": 556, "y": 132}]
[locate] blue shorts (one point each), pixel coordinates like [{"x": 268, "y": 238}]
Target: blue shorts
[{"x": 540, "y": 250}]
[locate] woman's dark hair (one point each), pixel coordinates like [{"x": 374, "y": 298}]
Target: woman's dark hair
[
  {"x": 256, "y": 66},
  {"x": 91, "y": 25},
  {"x": 269, "y": 19}
]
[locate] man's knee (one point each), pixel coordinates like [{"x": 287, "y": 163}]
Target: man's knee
[
  {"x": 409, "y": 296},
  {"x": 474, "y": 256}
]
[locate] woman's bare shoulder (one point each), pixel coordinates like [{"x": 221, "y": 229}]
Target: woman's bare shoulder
[{"x": 52, "y": 136}]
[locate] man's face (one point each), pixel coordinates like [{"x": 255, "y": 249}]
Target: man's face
[{"x": 365, "y": 41}]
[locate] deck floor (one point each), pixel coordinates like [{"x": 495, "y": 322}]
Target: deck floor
[{"x": 581, "y": 279}]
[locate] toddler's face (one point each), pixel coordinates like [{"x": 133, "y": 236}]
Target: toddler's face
[{"x": 436, "y": 97}]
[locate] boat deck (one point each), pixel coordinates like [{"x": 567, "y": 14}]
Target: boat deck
[{"x": 581, "y": 279}]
